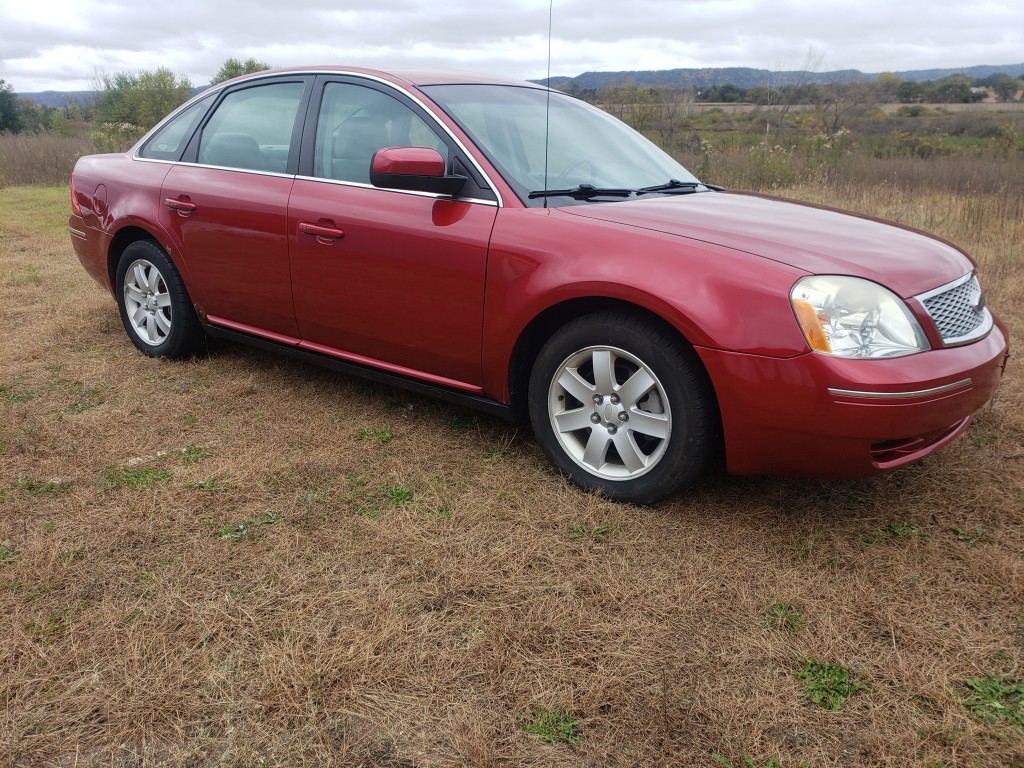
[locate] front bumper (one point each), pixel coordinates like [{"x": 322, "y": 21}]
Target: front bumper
[{"x": 821, "y": 416}]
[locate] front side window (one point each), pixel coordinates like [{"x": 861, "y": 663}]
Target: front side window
[
  {"x": 539, "y": 143},
  {"x": 356, "y": 121},
  {"x": 252, "y": 128},
  {"x": 169, "y": 142}
]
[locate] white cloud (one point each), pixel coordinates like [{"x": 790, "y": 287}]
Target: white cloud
[{"x": 58, "y": 45}]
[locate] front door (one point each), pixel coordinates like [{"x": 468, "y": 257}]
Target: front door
[{"x": 385, "y": 277}]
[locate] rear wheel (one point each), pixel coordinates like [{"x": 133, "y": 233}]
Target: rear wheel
[
  {"x": 155, "y": 307},
  {"x": 621, "y": 406}
]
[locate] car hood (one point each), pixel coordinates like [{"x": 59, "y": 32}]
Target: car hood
[{"x": 811, "y": 238}]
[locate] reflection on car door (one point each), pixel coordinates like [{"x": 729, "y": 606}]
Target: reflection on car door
[
  {"x": 228, "y": 213},
  {"x": 381, "y": 276}
]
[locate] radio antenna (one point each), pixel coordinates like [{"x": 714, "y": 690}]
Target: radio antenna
[{"x": 547, "y": 105}]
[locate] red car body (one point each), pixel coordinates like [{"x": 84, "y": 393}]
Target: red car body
[{"x": 459, "y": 293}]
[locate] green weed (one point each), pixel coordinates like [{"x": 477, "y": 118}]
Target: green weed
[
  {"x": 8, "y": 553},
  {"x": 9, "y": 396},
  {"x": 498, "y": 452},
  {"x": 396, "y": 495},
  {"x": 30, "y": 486},
  {"x": 749, "y": 762},
  {"x": 551, "y": 725},
  {"x": 596, "y": 533},
  {"x": 995, "y": 699},
  {"x": 829, "y": 685},
  {"x": 13, "y": 586},
  {"x": 69, "y": 556},
  {"x": 785, "y": 616},
  {"x": 88, "y": 397},
  {"x": 135, "y": 479},
  {"x": 213, "y": 485},
  {"x": 193, "y": 454},
  {"x": 250, "y": 529},
  {"x": 438, "y": 510},
  {"x": 459, "y": 423},
  {"x": 54, "y": 623},
  {"x": 378, "y": 436},
  {"x": 893, "y": 531},
  {"x": 972, "y": 538}
]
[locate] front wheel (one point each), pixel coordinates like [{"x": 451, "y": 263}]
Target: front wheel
[
  {"x": 623, "y": 407},
  {"x": 154, "y": 304}
]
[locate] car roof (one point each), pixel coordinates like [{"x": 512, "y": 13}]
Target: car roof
[{"x": 404, "y": 75}]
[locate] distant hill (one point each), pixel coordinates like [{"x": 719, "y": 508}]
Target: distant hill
[
  {"x": 744, "y": 77},
  {"x": 62, "y": 98},
  {"x": 747, "y": 77}
]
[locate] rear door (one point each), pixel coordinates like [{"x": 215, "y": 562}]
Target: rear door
[
  {"x": 386, "y": 277},
  {"x": 226, "y": 204}
]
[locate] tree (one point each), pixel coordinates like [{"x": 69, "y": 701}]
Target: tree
[
  {"x": 954, "y": 89},
  {"x": 673, "y": 106},
  {"x": 234, "y": 68},
  {"x": 10, "y": 118},
  {"x": 838, "y": 104},
  {"x": 1004, "y": 86},
  {"x": 140, "y": 100},
  {"x": 888, "y": 85},
  {"x": 910, "y": 92}
]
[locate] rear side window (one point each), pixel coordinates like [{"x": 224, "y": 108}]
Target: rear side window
[
  {"x": 252, "y": 128},
  {"x": 169, "y": 142}
]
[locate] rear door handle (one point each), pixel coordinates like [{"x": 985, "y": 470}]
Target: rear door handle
[
  {"x": 183, "y": 207},
  {"x": 323, "y": 234}
]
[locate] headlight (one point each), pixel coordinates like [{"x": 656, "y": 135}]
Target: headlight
[{"x": 852, "y": 317}]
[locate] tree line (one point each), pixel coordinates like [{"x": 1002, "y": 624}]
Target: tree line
[
  {"x": 887, "y": 88},
  {"x": 124, "y": 107},
  {"x": 127, "y": 105}
]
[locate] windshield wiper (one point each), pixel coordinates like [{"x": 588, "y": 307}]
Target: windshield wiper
[
  {"x": 582, "y": 192},
  {"x": 674, "y": 186}
]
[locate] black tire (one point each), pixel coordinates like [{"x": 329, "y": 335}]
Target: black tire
[
  {"x": 622, "y": 406},
  {"x": 155, "y": 308}
]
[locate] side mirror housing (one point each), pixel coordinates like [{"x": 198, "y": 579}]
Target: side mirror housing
[{"x": 417, "y": 169}]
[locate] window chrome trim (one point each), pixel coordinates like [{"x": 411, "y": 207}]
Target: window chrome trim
[
  {"x": 338, "y": 73},
  {"x": 422, "y": 105},
  {"x": 901, "y": 395},
  {"x": 135, "y": 150},
  {"x": 253, "y": 171},
  {"x": 416, "y": 193}
]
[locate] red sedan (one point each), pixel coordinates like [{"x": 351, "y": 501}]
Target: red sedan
[{"x": 515, "y": 249}]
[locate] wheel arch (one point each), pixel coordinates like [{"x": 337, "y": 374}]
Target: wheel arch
[
  {"x": 121, "y": 240},
  {"x": 540, "y": 328}
]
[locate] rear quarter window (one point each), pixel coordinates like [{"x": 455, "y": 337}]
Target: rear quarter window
[{"x": 170, "y": 141}]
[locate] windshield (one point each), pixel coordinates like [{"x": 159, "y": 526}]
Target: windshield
[{"x": 586, "y": 147}]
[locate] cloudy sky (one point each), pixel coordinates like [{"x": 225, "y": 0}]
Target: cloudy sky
[{"x": 62, "y": 45}]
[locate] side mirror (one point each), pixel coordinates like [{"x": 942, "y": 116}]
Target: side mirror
[{"x": 418, "y": 169}]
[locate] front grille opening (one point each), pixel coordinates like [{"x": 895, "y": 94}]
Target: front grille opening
[{"x": 959, "y": 313}]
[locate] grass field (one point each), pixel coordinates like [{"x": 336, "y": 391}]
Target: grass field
[{"x": 245, "y": 561}]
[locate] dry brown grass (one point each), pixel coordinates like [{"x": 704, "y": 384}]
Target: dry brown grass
[{"x": 350, "y": 627}]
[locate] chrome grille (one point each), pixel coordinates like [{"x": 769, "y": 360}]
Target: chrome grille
[{"x": 958, "y": 310}]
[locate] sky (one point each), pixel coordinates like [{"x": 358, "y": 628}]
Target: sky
[{"x": 64, "y": 46}]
